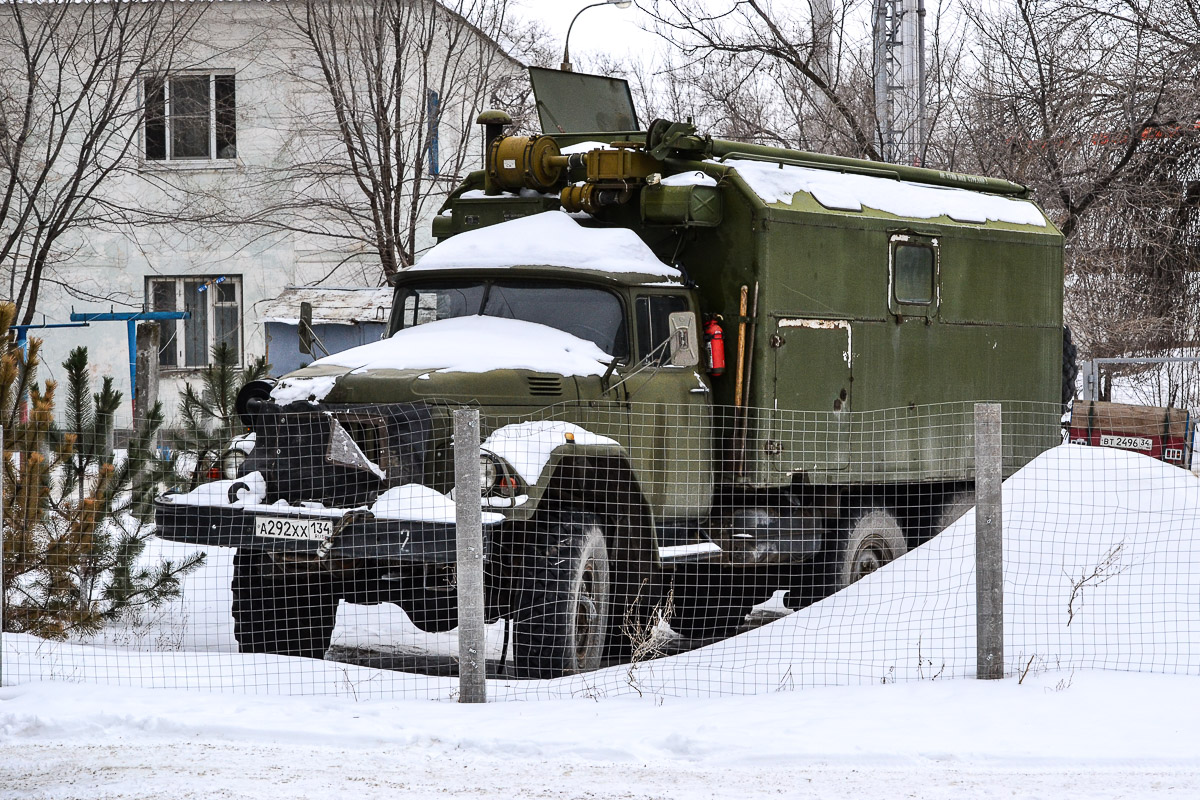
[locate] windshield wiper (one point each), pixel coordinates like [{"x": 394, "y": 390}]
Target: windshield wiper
[{"x": 487, "y": 292}]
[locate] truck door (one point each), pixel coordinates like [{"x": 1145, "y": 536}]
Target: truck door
[
  {"x": 813, "y": 362},
  {"x": 670, "y": 413}
]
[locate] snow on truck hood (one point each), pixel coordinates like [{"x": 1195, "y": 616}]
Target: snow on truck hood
[
  {"x": 461, "y": 344},
  {"x": 551, "y": 238}
]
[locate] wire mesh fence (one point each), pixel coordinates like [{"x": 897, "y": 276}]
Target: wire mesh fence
[{"x": 627, "y": 548}]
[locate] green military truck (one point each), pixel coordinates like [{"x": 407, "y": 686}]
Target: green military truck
[{"x": 584, "y": 285}]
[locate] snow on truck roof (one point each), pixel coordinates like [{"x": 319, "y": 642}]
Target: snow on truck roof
[
  {"x": 845, "y": 191},
  {"x": 551, "y": 238}
]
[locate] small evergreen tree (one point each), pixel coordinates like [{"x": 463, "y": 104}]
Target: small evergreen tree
[
  {"x": 75, "y": 521},
  {"x": 209, "y": 418}
]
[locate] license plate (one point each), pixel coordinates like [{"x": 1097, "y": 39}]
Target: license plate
[
  {"x": 292, "y": 528},
  {"x": 1127, "y": 442}
]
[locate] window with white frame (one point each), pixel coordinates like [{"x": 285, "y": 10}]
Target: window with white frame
[
  {"x": 190, "y": 117},
  {"x": 214, "y": 305}
]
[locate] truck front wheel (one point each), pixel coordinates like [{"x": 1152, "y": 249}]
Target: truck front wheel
[
  {"x": 871, "y": 538},
  {"x": 563, "y": 597},
  {"x": 282, "y": 613}
]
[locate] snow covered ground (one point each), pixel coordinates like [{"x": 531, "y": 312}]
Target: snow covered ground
[
  {"x": 1057, "y": 735},
  {"x": 867, "y": 694}
]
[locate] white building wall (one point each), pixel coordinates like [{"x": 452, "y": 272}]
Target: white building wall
[{"x": 111, "y": 266}]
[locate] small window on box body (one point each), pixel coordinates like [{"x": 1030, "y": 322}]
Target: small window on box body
[{"x": 913, "y": 275}]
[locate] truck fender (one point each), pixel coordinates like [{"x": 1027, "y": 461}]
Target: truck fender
[{"x": 597, "y": 478}]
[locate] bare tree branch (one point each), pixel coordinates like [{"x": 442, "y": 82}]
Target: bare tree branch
[{"x": 70, "y": 113}]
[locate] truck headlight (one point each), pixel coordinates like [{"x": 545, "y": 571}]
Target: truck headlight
[
  {"x": 489, "y": 471},
  {"x": 496, "y": 478},
  {"x": 232, "y": 463}
]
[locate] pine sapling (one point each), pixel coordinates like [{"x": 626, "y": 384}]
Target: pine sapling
[
  {"x": 209, "y": 415},
  {"x": 75, "y": 521}
]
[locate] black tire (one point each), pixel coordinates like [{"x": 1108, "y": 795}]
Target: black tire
[
  {"x": 1070, "y": 368},
  {"x": 871, "y": 537},
  {"x": 563, "y": 596},
  {"x": 288, "y": 614},
  {"x": 710, "y": 601}
]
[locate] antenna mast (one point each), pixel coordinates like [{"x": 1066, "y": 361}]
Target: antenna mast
[{"x": 898, "y": 28}]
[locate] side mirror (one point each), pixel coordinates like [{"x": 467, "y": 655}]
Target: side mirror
[
  {"x": 306, "y": 331},
  {"x": 684, "y": 339}
]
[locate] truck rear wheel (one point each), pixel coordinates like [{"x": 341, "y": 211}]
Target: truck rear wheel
[
  {"x": 564, "y": 593},
  {"x": 872, "y": 538},
  {"x": 956, "y": 505},
  {"x": 287, "y": 614}
]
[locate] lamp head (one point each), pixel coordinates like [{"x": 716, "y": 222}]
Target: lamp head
[{"x": 566, "y": 61}]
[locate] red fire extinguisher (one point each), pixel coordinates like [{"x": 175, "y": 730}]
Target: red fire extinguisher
[{"x": 714, "y": 344}]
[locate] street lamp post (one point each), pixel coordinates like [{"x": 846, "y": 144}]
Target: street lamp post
[{"x": 565, "y": 66}]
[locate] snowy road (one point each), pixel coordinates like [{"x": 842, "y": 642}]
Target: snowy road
[
  {"x": 1105, "y": 735},
  {"x": 187, "y": 770}
]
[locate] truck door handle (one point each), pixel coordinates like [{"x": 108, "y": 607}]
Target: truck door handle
[{"x": 701, "y": 390}]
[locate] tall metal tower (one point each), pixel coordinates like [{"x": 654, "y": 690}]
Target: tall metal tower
[{"x": 899, "y": 50}]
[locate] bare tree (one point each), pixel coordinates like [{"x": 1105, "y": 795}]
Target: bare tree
[
  {"x": 1093, "y": 105},
  {"x": 776, "y": 72},
  {"x": 382, "y": 127},
  {"x": 69, "y": 118},
  {"x": 1051, "y": 77}
]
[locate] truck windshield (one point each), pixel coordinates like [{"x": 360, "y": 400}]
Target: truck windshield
[{"x": 587, "y": 312}]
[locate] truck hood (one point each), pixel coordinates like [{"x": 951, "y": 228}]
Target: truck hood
[
  {"x": 501, "y": 387},
  {"x": 487, "y": 359}
]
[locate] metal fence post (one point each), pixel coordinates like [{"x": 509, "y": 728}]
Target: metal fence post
[
  {"x": 146, "y": 390},
  {"x": 989, "y": 561},
  {"x": 472, "y": 658},
  {"x": 1087, "y": 370}
]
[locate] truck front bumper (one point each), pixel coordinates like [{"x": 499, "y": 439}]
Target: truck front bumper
[{"x": 360, "y": 536}]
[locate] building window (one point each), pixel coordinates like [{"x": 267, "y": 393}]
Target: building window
[
  {"x": 191, "y": 117},
  {"x": 214, "y": 304}
]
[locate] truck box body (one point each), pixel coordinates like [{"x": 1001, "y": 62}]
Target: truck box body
[
  {"x": 831, "y": 341},
  {"x": 828, "y": 343}
]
